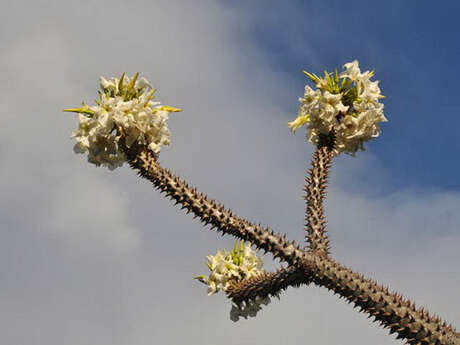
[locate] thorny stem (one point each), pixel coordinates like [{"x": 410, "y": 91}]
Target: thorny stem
[
  {"x": 389, "y": 308},
  {"x": 267, "y": 284},
  {"x": 315, "y": 187},
  {"x": 207, "y": 210}
]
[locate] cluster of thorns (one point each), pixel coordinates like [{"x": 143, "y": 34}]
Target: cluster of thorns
[{"x": 312, "y": 264}]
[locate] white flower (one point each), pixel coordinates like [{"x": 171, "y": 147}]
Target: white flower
[
  {"x": 125, "y": 107},
  {"x": 352, "y": 70},
  {"x": 346, "y": 104},
  {"x": 143, "y": 83},
  {"x": 109, "y": 85}
]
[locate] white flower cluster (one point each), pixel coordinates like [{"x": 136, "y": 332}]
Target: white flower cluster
[
  {"x": 346, "y": 104},
  {"x": 125, "y": 108},
  {"x": 241, "y": 263}
]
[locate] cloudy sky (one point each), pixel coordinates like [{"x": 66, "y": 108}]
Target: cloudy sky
[{"x": 90, "y": 256}]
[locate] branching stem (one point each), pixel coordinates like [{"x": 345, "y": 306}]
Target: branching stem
[{"x": 389, "y": 308}]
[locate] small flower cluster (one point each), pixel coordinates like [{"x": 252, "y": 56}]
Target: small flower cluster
[
  {"x": 125, "y": 108},
  {"x": 346, "y": 105},
  {"x": 226, "y": 267},
  {"x": 241, "y": 263}
]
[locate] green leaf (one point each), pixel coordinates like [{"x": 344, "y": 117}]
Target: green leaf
[
  {"x": 84, "y": 109},
  {"x": 120, "y": 83},
  {"x": 312, "y": 76},
  {"x": 130, "y": 86},
  {"x": 345, "y": 84},
  {"x": 241, "y": 251},
  {"x": 202, "y": 278}
]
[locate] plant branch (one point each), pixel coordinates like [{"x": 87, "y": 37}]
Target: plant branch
[
  {"x": 207, "y": 210},
  {"x": 267, "y": 284},
  {"x": 315, "y": 188},
  {"x": 389, "y": 308}
]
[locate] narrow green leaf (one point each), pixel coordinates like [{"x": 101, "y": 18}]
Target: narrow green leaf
[
  {"x": 313, "y": 77},
  {"x": 120, "y": 83},
  {"x": 201, "y": 278},
  {"x": 84, "y": 109},
  {"x": 132, "y": 82}
]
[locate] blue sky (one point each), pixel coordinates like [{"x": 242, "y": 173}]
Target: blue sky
[
  {"x": 90, "y": 256},
  {"x": 413, "y": 46}
]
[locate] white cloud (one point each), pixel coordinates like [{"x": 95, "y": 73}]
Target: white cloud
[
  {"x": 59, "y": 201},
  {"x": 88, "y": 213}
]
